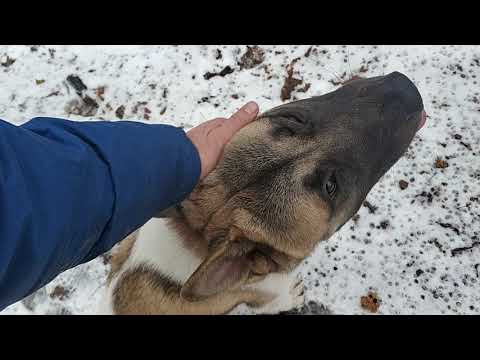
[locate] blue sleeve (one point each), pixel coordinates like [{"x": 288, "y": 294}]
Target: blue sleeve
[{"x": 69, "y": 191}]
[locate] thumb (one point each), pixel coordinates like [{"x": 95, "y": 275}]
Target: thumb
[{"x": 242, "y": 117}]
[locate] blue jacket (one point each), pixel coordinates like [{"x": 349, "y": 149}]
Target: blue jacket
[{"x": 69, "y": 191}]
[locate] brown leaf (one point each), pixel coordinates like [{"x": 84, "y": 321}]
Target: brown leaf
[
  {"x": 371, "y": 302},
  {"x": 100, "y": 91},
  {"x": 59, "y": 292},
  {"x": 290, "y": 82},
  {"x": 440, "y": 163},
  {"x": 252, "y": 57}
]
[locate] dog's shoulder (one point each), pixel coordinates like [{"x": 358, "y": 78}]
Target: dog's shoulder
[{"x": 159, "y": 247}]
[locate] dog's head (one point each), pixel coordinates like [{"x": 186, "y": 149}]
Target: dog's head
[{"x": 294, "y": 176}]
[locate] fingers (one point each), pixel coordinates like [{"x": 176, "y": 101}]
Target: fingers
[
  {"x": 242, "y": 117},
  {"x": 212, "y": 124}
]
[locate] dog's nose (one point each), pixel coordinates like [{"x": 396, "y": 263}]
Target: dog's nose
[{"x": 400, "y": 87}]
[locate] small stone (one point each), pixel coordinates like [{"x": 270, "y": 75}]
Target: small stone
[
  {"x": 120, "y": 112},
  {"x": 403, "y": 184}
]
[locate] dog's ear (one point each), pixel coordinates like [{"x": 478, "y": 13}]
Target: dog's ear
[{"x": 225, "y": 268}]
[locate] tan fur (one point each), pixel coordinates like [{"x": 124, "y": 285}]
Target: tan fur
[
  {"x": 146, "y": 292},
  {"x": 191, "y": 238},
  {"x": 120, "y": 255}
]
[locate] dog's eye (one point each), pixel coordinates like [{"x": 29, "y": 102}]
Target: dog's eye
[
  {"x": 331, "y": 186},
  {"x": 291, "y": 124},
  {"x": 283, "y": 131}
]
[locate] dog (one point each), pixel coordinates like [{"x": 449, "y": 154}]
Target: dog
[{"x": 285, "y": 182}]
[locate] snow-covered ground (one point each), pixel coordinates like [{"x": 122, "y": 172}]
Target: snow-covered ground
[{"x": 401, "y": 246}]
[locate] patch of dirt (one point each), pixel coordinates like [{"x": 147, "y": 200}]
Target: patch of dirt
[
  {"x": 59, "y": 292},
  {"x": 146, "y": 113},
  {"x": 290, "y": 82},
  {"x": 120, "y": 112},
  {"x": 311, "y": 308},
  {"x": 371, "y": 302},
  {"x": 86, "y": 106},
  {"x": 252, "y": 57},
  {"x": 205, "y": 99},
  {"x": 39, "y": 82},
  {"x": 83, "y": 107},
  {"x": 384, "y": 224},
  {"x": 90, "y": 104},
  {"x": 355, "y": 218},
  {"x": 106, "y": 258},
  {"x": 138, "y": 105}
]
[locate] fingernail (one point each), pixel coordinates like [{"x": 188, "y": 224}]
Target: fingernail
[{"x": 251, "y": 107}]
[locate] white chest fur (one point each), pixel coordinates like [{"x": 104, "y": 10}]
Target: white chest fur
[{"x": 161, "y": 249}]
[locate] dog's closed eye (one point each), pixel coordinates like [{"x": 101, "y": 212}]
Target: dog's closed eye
[{"x": 293, "y": 123}]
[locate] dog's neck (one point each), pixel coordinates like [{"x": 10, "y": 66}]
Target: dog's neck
[{"x": 191, "y": 239}]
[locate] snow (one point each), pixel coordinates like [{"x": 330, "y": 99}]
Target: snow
[{"x": 409, "y": 263}]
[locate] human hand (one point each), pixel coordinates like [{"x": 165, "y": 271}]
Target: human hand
[{"x": 211, "y": 137}]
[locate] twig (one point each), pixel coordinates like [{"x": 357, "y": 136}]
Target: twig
[
  {"x": 449, "y": 226},
  {"x": 459, "y": 250}
]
